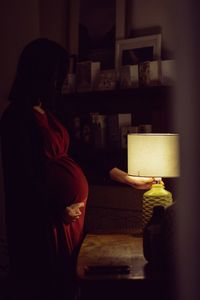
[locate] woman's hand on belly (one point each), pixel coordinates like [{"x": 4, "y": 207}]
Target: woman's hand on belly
[{"x": 72, "y": 212}]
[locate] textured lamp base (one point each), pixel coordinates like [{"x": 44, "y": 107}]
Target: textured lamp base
[{"x": 157, "y": 195}]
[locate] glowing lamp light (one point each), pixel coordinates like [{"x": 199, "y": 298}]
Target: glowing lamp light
[{"x": 154, "y": 155}]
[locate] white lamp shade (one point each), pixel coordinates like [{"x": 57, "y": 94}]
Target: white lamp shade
[{"x": 153, "y": 155}]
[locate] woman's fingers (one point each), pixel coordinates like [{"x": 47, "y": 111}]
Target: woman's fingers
[
  {"x": 77, "y": 205},
  {"x": 74, "y": 211}
]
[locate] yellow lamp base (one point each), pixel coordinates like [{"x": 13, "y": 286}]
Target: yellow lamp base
[{"x": 157, "y": 195}]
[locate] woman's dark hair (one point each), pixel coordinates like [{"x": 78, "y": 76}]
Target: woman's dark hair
[{"x": 40, "y": 74}]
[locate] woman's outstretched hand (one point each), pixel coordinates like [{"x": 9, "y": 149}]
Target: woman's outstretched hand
[
  {"x": 73, "y": 212},
  {"x": 141, "y": 183}
]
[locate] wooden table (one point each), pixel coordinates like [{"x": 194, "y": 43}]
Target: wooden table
[{"x": 114, "y": 250}]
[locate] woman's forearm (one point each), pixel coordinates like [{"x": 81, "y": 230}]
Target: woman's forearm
[
  {"x": 118, "y": 175},
  {"x": 136, "y": 182}
]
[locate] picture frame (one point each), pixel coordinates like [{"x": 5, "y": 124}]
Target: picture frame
[
  {"x": 106, "y": 80},
  {"x": 73, "y": 39},
  {"x": 137, "y": 50}
]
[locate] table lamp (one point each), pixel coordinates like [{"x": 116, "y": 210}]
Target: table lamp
[{"x": 154, "y": 155}]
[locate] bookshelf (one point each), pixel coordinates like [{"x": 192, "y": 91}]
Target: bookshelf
[{"x": 147, "y": 105}]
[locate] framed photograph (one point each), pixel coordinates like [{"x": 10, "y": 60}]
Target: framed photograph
[
  {"x": 106, "y": 80},
  {"x": 137, "y": 50},
  {"x": 94, "y": 26}
]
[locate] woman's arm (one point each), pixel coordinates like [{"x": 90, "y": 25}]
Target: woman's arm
[{"x": 142, "y": 183}]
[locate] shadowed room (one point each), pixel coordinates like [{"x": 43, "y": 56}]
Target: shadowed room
[{"x": 99, "y": 149}]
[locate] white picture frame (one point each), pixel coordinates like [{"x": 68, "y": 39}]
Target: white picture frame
[{"x": 152, "y": 42}]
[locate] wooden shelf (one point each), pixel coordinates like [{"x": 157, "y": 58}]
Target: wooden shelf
[{"x": 119, "y": 100}]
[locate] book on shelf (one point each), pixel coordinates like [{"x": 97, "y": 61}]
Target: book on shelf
[
  {"x": 69, "y": 85},
  {"x": 168, "y": 72},
  {"x": 129, "y": 77},
  {"x": 99, "y": 130},
  {"x": 86, "y": 74},
  {"x": 150, "y": 73},
  {"x": 115, "y": 122}
]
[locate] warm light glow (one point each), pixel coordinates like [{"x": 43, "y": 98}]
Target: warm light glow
[{"x": 153, "y": 155}]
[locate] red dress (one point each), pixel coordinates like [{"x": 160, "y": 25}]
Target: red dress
[{"x": 66, "y": 184}]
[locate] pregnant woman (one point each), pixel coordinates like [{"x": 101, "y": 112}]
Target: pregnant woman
[{"x": 45, "y": 189}]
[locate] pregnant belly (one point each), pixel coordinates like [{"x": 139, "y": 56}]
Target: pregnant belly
[{"x": 66, "y": 183}]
